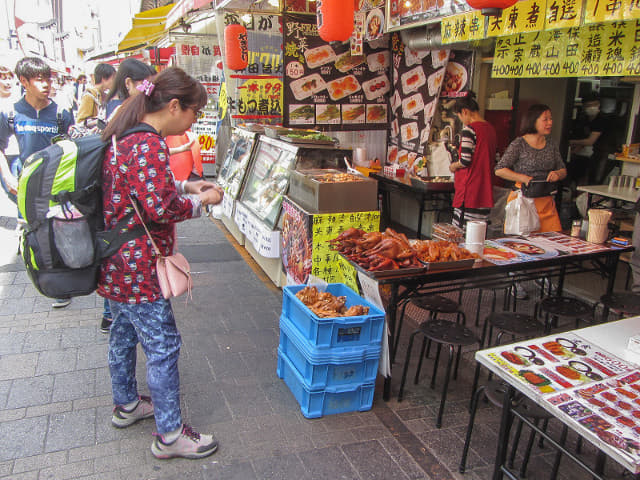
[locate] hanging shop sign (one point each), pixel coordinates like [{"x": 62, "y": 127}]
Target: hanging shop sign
[
  {"x": 466, "y": 27},
  {"x": 409, "y": 13},
  {"x": 563, "y": 13},
  {"x": 328, "y": 87},
  {"x": 417, "y": 76},
  {"x": 200, "y": 57},
  {"x": 458, "y": 74},
  {"x": 254, "y": 94},
  {"x": 597, "y": 11},
  {"x": 524, "y": 16},
  {"x": 604, "y": 49}
]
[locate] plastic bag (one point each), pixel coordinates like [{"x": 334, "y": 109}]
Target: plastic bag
[
  {"x": 521, "y": 216},
  {"x": 438, "y": 164}
]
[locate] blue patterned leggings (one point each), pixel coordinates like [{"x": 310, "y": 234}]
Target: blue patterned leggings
[{"x": 154, "y": 326}]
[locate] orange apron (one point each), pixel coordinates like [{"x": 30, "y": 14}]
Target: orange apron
[{"x": 546, "y": 207}]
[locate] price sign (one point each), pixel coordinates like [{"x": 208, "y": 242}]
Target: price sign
[{"x": 598, "y": 11}]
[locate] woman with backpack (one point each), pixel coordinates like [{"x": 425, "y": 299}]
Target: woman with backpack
[{"x": 137, "y": 171}]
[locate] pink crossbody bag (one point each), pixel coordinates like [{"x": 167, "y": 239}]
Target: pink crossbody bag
[{"x": 174, "y": 272}]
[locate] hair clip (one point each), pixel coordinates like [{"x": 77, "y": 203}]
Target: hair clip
[{"x": 146, "y": 87}]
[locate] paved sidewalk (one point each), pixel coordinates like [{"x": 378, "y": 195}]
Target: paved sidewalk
[{"x": 55, "y": 402}]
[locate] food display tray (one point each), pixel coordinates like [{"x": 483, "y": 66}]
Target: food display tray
[
  {"x": 431, "y": 186},
  {"x": 432, "y": 266},
  {"x": 306, "y": 141},
  {"x": 387, "y": 273}
]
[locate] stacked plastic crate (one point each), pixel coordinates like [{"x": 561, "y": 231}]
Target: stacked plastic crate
[{"x": 329, "y": 364}]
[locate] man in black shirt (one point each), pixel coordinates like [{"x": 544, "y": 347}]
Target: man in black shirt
[{"x": 591, "y": 159}]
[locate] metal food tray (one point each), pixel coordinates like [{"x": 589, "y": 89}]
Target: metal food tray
[
  {"x": 308, "y": 141},
  {"x": 431, "y": 186},
  {"x": 386, "y": 273},
  {"x": 431, "y": 266}
]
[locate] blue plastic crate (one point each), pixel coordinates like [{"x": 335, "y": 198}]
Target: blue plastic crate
[
  {"x": 317, "y": 403},
  {"x": 328, "y": 367},
  {"x": 334, "y": 332}
]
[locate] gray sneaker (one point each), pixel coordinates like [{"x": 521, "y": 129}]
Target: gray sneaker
[
  {"x": 189, "y": 444},
  {"x": 122, "y": 418}
]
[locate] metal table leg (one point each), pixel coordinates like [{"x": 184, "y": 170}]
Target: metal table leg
[
  {"x": 392, "y": 309},
  {"x": 505, "y": 429}
]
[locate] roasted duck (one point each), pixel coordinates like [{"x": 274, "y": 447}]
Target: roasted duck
[{"x": 326, "y": 305}]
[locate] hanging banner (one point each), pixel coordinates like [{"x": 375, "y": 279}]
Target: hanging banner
[
  {"x": 329, "y": 88},
  {"x": 610, "y": 10},
  {"x": 200, "y": 57},
  {"x": 609, "y": 49},
  {"x": 418, "y": 78},
  {"x": 467, "y": 27}
]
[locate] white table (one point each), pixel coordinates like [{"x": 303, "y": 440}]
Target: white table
[
  {"x": 625, "y": 194},
  {"x": 610, "y": 338}
]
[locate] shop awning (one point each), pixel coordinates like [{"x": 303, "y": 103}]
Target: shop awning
[{"x": 148, "y": 27}]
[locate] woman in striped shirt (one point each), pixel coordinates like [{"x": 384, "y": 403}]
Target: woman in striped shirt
[{"x": 473, "y": 180}]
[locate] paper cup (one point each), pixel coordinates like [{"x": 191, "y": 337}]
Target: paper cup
[
  {"x": 476, "y": 231},
  {"x": 598, "y": 233}
]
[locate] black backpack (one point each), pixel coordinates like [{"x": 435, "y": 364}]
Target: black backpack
[{"x": 60, "y": 197}]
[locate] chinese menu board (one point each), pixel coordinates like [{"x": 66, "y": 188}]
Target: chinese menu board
[
  {"x": 458, "y": 74},
  {"x": 326, "y": 263},
  {"x": 604, "y": 49},
  {"x": 609, "y": 409},
  {"x": 201, "y": 58},
  {"x": 418, "y": 76},
  {"x": 555, "y": 363},
  {"x": 255, "y": 93},
  {"x": 402, "y": 14},
  {"x": 327, "y": 87}
]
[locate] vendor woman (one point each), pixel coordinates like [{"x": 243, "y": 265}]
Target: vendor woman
[
  {"x": 473, "y": 198},
  {"x": 535, "y": 155}
]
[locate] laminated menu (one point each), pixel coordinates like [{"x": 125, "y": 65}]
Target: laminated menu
[
  {"x": 551, "y": 364},
  {"x": 609, "y": 409}
]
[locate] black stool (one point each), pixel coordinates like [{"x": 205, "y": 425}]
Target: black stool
[
  {"x": 564, "y": 307},
  {"x": 624, "y": 304},
  {"x": 434, "y": 304},
  {"x": 494, "y": 292},
  {"x": 516, "y": 324},
  {"x": 442, "y": 332},
  {"x": 494, "y": 392}
]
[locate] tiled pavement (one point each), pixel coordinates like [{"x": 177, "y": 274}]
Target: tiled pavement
[{"x": 55, "y": 401}]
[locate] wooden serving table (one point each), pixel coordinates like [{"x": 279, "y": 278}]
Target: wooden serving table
[
  {"x": 442, "y": 194},
  {"x": 585, "y": 378}
]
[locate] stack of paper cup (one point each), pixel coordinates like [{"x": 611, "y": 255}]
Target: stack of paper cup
[
  {"x": 598, "y": 225},
  {"x": 474, "y": 239}
]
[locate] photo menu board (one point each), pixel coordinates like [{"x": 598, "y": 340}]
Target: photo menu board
[
  {"x": 328, "y": 88},
  {"x": 418, "y": 76}
]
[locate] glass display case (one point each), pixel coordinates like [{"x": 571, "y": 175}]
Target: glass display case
[
  {"x": 268, "y": 177},
  {"x": 235, "y": 163}
]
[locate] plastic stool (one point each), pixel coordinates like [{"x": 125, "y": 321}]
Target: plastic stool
[
  {"x": 494, "y": 292},
  {"x": 494, "y": 392},
  {"x": 512, "y": 323},
  {"x": 565, "y": 307},
  {"x": 434, "y": 304},
  {"x": 442, "y": 332},
  {"x": 625, "y": 304}
]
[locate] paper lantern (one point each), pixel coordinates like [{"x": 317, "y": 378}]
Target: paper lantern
[
  {"x": 491, "y": 7},
  {"x": 335, "y": 19},
  {"x": 236, "y": 48}
]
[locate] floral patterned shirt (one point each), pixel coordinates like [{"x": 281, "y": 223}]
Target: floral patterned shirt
[{"x": 140, "y": 169}]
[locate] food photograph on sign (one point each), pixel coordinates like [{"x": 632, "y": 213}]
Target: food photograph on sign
[{"x": 329, "y": 86}]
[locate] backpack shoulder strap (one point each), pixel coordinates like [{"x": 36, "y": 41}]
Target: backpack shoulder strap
[
  {"x": 60, "y": 123},
  {"x": 11, "y": 118},
  {"x": 110, "y": 241}
]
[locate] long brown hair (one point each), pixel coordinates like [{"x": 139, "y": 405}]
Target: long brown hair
[{"x": 167, "y": 85}]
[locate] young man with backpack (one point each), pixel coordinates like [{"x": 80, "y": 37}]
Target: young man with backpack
[{"x": 35, "y": 121}]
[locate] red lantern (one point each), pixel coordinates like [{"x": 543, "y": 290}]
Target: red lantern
[
  {"x": 335, "y": 19},
  {"x": 491, "y": 7},
  {"x": 236, "y": 48}
]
